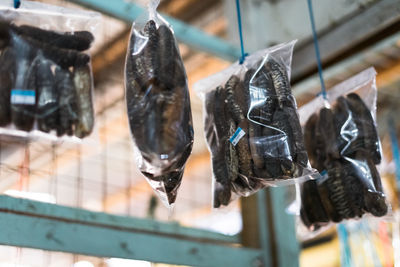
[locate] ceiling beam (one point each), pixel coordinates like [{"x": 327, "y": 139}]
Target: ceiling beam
[
  {"x": 345, "y": 37},
  {"x": 196, "y": 38},
  {"x": 58, "y": 228},
  {"x": 110, "y": 52},
  {"x": 309, "y": 87}
]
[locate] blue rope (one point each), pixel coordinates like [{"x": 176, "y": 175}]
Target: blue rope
[
  {"x": 239, "y": 18},
  {"x": 17, "y": 3},
  {"x": 319, "y": 64},
  {"x": 345, "y": 246},
  {"x": 395, "y": 149}
]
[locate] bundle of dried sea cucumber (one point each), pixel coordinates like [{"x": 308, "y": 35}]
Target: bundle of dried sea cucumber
[
  {"x": 158, "y": 104},
  {"x": 272, "y": 144},
  {"x": 344, "y": 142},
  {"x": 51, "y": 68}
]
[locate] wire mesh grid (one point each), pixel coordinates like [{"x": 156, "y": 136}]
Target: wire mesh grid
[{"x": 100, "y": 173}]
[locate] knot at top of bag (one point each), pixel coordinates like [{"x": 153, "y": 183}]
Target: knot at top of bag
[
  {"x": 17, "y": 3},
  {"x": 152, "y": 8}
]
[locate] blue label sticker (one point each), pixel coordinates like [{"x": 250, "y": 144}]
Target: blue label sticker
[
  {"x": 23, "y": 97},
  {"x": 237, "y": 136}
]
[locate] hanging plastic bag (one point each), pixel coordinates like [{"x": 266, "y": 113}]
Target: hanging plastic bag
[
  {"x": 251, "y": 125},
  {"x": 342, "y": 143},
  {"x": 158, "y": 104},
  {"x": 46, "y": 79}
]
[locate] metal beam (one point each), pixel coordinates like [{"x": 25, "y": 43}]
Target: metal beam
[
  {"x": 264, "y": 227},
  {"x": 284, "y": 231},
  {"x": 39, "y": 209},
  {"x": 266, "y": 224},
  {"x": 128, "y": 12},
  {"x": 45, "y": 226},
  {"x": 308, "y": 88},
  {"x": 357, "y": 29}
]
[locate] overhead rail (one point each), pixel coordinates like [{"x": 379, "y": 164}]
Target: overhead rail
[{"x": 190, "y": 35}]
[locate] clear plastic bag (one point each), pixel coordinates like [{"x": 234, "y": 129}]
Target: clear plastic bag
[
  {"x": 251, "y": 125},
  {"x": 46, "y": 79},
  {"x": 343, "y": 144},
  {"x": 158, "y": 104}
]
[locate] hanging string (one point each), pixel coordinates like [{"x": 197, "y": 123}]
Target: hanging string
[
  {"x": 345, "y": 246},
  {"x": 396, "y": 159},
  {"x": 316, "y": 46},
  {"x": 239, "y": 18},
  {"x": 395, "y": 149},
  {"x": 17, "y": 3}
]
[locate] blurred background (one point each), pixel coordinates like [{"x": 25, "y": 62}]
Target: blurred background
[{"x": 101, "y": 175}]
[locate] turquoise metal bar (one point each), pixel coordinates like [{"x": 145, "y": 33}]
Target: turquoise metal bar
[
  {"x": 395, "y": 149},
  {"x": 39, "y": 209},
  {"x": 287, "y": 247},
  {"x": 48, "y": 234},
  {"x": 128, "y": 11},
  {"x": 57, "y": 228},
  {"x": 263, "y": 219}
]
